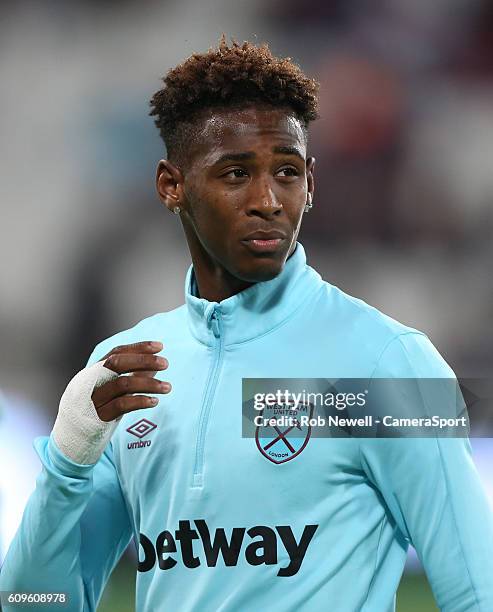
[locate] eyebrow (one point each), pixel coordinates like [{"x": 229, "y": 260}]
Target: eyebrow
[
  {"x": 235, "y": 157},
  {"x": 289, "y": 151},
  {"x": 248, "y": 155}
]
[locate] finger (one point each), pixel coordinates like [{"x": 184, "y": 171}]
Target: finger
[
  {"x": 131, "y": 362},
  {"x": 126, "y": 403},
  {"x": 145, "y": 374},
  {"x": 149, "y": 346},
  {"x": 124, "y": 385}
]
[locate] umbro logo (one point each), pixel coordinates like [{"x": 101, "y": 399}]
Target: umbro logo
[{"x": 140, "y": 429}]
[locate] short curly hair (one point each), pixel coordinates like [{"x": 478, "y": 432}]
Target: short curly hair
[{"x": 229, "y": 76}]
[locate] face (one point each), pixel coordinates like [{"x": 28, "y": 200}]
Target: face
[{"x": 243, "y": 194}]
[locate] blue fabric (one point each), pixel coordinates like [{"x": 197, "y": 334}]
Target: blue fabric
[{"x": 218, "y": 526}]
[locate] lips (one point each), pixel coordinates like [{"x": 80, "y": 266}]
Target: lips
[
  {"x": 264, "y": 241},
  {"x": 265, "y": 235}
]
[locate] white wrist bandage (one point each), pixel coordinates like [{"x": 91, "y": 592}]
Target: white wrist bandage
[{"x": 78, "y": 431}]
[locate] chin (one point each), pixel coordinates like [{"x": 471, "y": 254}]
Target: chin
[{"x": 261, "y": 269}]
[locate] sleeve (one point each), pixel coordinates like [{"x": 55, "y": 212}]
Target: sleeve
[
  {"x": 433, "y": 491},
  {"x": 74, "y": 529}
]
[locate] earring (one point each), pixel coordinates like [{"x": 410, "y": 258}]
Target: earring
[
  {"x": 177, "y": 210},
  {"x": 308, "y": 205}
]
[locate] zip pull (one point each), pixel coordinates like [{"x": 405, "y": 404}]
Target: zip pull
[{"x": 215, "y": 325}]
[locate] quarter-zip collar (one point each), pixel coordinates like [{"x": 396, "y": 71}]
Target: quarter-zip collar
[{"x": 257, "y": 309}]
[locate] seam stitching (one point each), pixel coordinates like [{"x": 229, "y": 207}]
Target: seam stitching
[
  {"x": 377, "y": 555},
  {"x": 455, "y": 525},
  {"x": 409, "y": 333}
]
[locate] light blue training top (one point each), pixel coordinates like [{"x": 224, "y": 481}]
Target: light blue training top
[{"x": 220, "y": 526}]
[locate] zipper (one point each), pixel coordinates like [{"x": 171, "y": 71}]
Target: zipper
[{"x": 215, "y": 321}]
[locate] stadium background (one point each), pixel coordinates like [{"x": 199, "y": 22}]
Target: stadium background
[{"x": 402, "y": 216}]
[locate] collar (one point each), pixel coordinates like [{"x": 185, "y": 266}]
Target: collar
[{"x": 255, "y": 310}]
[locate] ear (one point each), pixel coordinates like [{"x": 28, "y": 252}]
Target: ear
[
  {"x": 310, "y": 167},
  {"x": 169, "y": 184}
]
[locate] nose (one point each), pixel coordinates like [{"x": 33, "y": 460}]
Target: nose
[{"x": 263, "y": 201}]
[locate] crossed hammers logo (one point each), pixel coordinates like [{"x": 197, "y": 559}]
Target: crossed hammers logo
[
  {"x": 282, "y": 457},
  {"x": 282, "y": 436}
]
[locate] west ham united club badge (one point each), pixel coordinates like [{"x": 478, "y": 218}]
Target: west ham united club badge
[{"x": 281, "y": 436}]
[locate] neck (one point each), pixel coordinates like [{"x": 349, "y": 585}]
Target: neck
[{"x": 214, "y": 282}]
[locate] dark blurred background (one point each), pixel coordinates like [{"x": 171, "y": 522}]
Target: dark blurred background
[{"x": 402, "y": 216}]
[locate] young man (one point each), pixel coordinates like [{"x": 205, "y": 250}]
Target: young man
[{"x": 221, "y": 521}]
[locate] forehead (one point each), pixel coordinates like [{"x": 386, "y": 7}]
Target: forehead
[{"x": 247, "y": 129}]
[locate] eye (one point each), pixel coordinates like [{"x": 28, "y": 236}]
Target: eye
[
  {"x": 235, "y": 173},
  {"x": 287, "y": 171}
]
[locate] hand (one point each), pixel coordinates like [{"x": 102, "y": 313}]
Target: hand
[
  {"x": 115, "y": 397},
  {"x": 97, "y": 397}
]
